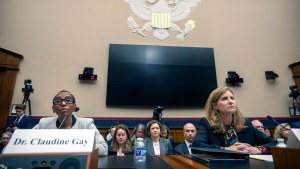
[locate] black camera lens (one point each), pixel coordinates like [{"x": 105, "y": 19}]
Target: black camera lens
[
  {"x": 159, "y": 108},
  {"x": 27, "y": 81}
]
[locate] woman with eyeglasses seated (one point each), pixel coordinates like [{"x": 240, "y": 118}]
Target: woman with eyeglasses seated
[
  {"x": 282, "y": 131},
  {"x": 120, "y": 143},
  {"x": 5, "y": 137},
  {"x": 225, "y": 127},
  {"x": 63, "y": 105}
]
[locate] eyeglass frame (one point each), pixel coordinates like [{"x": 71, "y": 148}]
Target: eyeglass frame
[
  {"x": 5, "y": 138},
  {"x": 64, "y": 100},
  {"x": 259, "y": 127}
]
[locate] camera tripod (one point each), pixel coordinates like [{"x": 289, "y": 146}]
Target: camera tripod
[{"x": 26, "y": 101}]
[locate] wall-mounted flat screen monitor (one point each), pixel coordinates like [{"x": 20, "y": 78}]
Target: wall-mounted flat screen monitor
[{"x": 169, "y": 76}]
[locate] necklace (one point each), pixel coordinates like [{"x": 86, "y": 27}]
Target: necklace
[{"x": 230, "y": 136}]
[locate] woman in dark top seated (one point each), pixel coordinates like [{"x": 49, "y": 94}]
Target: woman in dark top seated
[
  {"x": 120, "y": 144},
  {"x": 225, "y": 127}
]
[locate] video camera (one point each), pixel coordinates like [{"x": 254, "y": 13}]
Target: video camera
[
  {"x": 294, "y": 92},
  {"x": 157, "y": 113},
  {"x": 27, "y": 89}
]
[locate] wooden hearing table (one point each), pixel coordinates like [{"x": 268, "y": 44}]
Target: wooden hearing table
[{"x": 177, "y": 162}]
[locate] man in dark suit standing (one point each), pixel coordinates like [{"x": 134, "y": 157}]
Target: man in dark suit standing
[
  {"x": 22, "y": 121},
  {"x": 189, "y": 132}
]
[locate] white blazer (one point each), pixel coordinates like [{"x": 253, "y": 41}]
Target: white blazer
[{"x": 81, "y": 123}]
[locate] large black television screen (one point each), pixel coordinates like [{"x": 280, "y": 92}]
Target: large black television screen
[{"x": 169, "y": 76}]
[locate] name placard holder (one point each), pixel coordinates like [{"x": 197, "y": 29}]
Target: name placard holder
[
  {"x": 287, "y": 158},
  {"x": 52, "y": 148},
  {"x": 294, "y": 139}
]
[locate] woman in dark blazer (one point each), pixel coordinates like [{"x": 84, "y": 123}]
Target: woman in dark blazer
[
  {"x": 225, "y": 127},
  {"x": 155, "y": 145}
]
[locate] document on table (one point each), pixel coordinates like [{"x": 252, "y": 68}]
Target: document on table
[{"x": 262, "y": 157}]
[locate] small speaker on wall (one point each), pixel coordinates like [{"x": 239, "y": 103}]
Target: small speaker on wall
[
  {"x": 270, "y": 75},
  {"x": 233, "y": 78},
  {"x": 88, "y": 74}
]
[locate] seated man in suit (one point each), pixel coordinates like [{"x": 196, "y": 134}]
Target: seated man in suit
[
  {"x": 189, "y": 132},
  {"x": 22, "y": 121},
  {"x": 257, "y": 124}
]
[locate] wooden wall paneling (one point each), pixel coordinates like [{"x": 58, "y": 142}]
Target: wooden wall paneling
[
  {"x": 296, "y": 73},
  {"x": 9, "y": 66},
  {"x": 177, "y": 134}
]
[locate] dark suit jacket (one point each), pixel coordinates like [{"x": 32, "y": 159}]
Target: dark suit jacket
[
  {"x": 24, "y": 123},
  {"x": 1, "y": 147},
  {"x": 207, "y": 138},
  {"x": 164, "y": 145},
  {"x": 181, "y": 149}
]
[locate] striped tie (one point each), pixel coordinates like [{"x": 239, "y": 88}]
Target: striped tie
[{"x": 17, "y": 121}]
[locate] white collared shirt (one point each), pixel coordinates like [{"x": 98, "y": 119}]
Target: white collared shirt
[
  {"x": 156, "y": 148},
  {"x": 188, "y": 146},
  {"x": 19, "y": 118}
]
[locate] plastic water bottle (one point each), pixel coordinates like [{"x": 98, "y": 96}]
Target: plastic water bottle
[
  {"x": 280, "y": 142},
  {"x": 140, "y": 150}
]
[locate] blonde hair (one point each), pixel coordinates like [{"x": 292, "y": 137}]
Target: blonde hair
[
  {"x": 279, "y": 129},
  {"x": 213, "y": 116}
]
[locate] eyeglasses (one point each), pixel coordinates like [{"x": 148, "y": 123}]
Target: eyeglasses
[
  {"x": 67, "y": 100},
  {"x": 286, "y": 129},
  {"x": 5, "y": 138},
  {"x": 259, "y": 127}
]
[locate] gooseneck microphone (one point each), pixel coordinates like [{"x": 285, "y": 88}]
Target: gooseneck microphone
[
  {"x": 271, "y": 118},
  {"x": 74, "y": 110}
]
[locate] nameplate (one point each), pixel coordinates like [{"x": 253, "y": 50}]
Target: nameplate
[
  {"x": 25, "y": 141},
  {"x": 294, "y": 139}
]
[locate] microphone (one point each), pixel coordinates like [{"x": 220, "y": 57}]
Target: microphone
[
  {"x": 271, "y": 118},
  {"x": 74, "y": 110}
]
